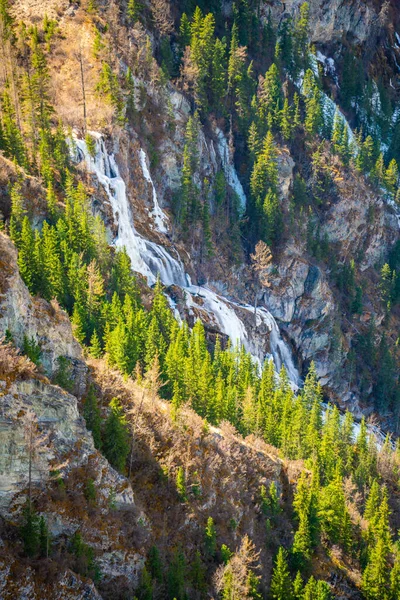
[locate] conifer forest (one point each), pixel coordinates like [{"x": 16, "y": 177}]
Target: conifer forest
[{"x": 199, "y": 300}]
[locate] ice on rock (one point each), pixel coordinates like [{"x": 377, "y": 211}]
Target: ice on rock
[{"x": 328, "y": 64}]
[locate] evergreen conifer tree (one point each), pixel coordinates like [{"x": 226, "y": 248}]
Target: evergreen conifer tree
[{"x": 116, "y": 442}]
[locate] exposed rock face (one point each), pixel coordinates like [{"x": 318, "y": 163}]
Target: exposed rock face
[
  {"x": 27, "y": 586},
  {"x": 121, "y": 565},
  {"x": 22, "y": 315},
  {"x": 61, "y": 441},
  {"x": 357, "y": 20},
  {"x": 360, "y": 224},
  {"x": 301, "y": 300}
]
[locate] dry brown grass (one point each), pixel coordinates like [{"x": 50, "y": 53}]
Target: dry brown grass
[
  {"x": 227, "y": 470},
  {"x": 14, "y": 366}
]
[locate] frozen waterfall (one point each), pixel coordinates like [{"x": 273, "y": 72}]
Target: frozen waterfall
[{"x": 151, "y": 259}]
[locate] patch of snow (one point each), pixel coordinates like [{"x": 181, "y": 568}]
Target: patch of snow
[
  {"x": 329, "y": 66},
  {"x": 314, "y": 64},
  {"x": 160, "y": 218},
  {"x": 376, "y": 99}
]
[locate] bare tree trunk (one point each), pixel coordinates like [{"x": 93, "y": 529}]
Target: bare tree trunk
[
  {"x": 83, "y": 90},
  {"x": 30, "y": 464}
]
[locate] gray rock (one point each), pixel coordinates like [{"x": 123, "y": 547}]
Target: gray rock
[
  {"x": 45, "y": 322},
  {"x": 61, "y": 438}
]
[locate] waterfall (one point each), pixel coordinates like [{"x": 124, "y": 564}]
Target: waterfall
[
  {"x": 229, "y": 169},
  {"x": 151, "y": 259},
  {"x": 147, "y": 258},
  {"x": 160, "y": 218}
]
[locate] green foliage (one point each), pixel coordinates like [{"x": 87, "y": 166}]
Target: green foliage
[
  {"x": 30, "y": 531},
  {"x": 32, "y": 349},
  {"x": 226, "y": 554},
  {"x": 176, "y": 583},
  {"x": 264, "y": 190},
  {"x": 44, "y": 538},
  {"x": 281, "y": 585},
  {"x": 116, "y": 438},
  {"x": 133, "y": 9},
  {"x": 108, "y": 88},
  {"x": 62, "y": 375},
  {"x": 92, "y": 415},
  {"x": 90, "y": 492},
  {"x": 210, "y": 538},
  {"x": 181, "y": 484},
  {"x": 90, "y": 144},
  {"x": 85, "y": 560},
  {"x": 155, "y": 564}
]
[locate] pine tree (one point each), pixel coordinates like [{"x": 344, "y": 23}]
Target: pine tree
[
  {"x": 184, "y": 31},
  {"x": 181, "y": 484},
  {"x": 11, "y": 136},
  {"x": 254, "y": 142},
  {"x": 301, "y": 38},
  {"x": 133, "y": 10},
  {"x": 386, "y": 283},
  {"x": 272, "y": 217},
  {"x": 51, "y": 201},
  {"x": 271, "y": 97},
  {"x": 146, "y": 585},
  {"x": 281, "y": 584},
  {"x": 26, "y": 257},
  {"x": 210, "y": 538},
  {"x": 44, "y": 538},
  {"x": 316, "y": 590},
  {"x": 391, "y": 178},
  {"x": 17, "y": 213},
  {"x": 176, "y": 577},
  {"x": 298, "y": 587},
  {"x": 155, "y": 564},
  {"x": 116, "y": 442},
  {"x": 395, "y": 576},
  {"x": 286, "y": 121},
  {"x": 198, "y": 574},
  {"x": 30, "y": 531},
  {"x": 95, "y": 349},
  {"x": 92, "y": 415}
]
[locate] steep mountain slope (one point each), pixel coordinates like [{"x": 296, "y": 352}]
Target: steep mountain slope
[{"x": 186, "y": 193}]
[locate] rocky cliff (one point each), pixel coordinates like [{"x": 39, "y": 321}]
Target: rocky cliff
[{"x": 130, "y": 115}]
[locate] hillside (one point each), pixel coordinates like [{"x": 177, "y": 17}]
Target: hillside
[{"x": 199, "y": 299}]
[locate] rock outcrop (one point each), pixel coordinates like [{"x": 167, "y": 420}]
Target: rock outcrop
[
  {"x": 22, "y": 315},
  {"x": 60, "y": 443}
]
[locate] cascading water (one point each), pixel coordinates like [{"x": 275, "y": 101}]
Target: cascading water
[
  {"x": 147, "y": 258},
  {"x": 159, "y": 216},
  {"x": 151, "y": 259},
  {"x": 229, "y": 169}
]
